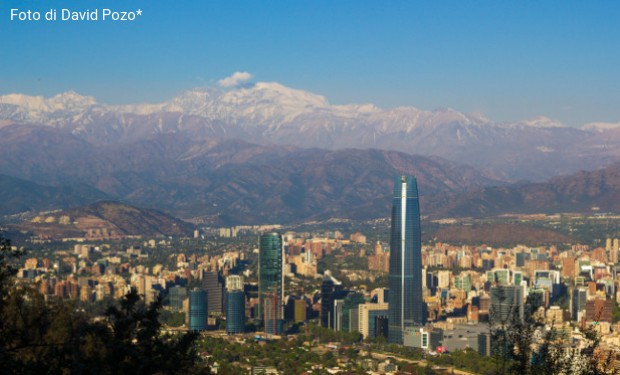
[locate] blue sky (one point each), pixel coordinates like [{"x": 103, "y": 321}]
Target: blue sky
[{"x": 510, "y": 60}]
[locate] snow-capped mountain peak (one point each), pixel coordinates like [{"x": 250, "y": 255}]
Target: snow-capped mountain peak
[
  {"x": 601, "y": 126},
  {"x": 66, "y": 101},
  {"x": 543, "y": 122}
]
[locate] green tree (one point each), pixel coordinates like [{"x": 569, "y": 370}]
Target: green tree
[{"x": 40, "y": 337}]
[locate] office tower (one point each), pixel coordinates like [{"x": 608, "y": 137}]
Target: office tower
[
  {"x": 354, "y": 323},
  {"x": 235, "y": 282},
  {"x": 335, "y": 314},
  {"x": 328, "y": 287},
  {"x": 271, "y": 279},
  {"x": 198, "y": 312},
  {"x": 406, "y": 307},
  {"x": 176, "y": 295},
  {"x": 484, "y": 344},
  {"x": 367, "y": 313},
  {"x": 351, "y": 301},
  {"x": 599, "y": 310},
  {"x": 235, "y": 312},
  {"x": 501, "y": 276},
  {"x": 578, "y": 303},
  {"x": 613, "y": 252},
  {"x": 273, "y": 314},
  {"x": 212, "y": 283},
  {"x": 381, "y": 326},
  {"x": 568, "y": 268},
  {"x": 338, "y": 307},
  {"x": 463, "y": 282},
  {"x": 235, "y": 305},
  {"x": 506, "y": 303}
]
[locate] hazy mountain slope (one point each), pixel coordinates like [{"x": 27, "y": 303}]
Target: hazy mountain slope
[
  {"x": 105, "y": 220},
  {"x": 232, "y": 180},
  {"x": 19, "y": 195},
  {"x": 578, "y": 192}
]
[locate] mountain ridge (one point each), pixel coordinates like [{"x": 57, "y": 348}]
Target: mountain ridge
[
  {"x": 104, "y": 220},
  {"x": 270, "y": 113},
  {"x": 240, "y": 180},
  {"x": 581, "y": 192}
]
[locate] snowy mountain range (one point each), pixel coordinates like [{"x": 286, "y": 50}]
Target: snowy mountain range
[{"x": 272, "y": 114}]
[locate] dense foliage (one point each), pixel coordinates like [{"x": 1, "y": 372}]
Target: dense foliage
[{"x": 38, "y": 337}]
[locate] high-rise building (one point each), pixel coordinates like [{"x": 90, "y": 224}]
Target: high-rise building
[
  {"x": 198, "y": 312},
  {"x": 367, "y": 313},
  {"x": 235, "y": 282},
  {"x": 351, "y": 301},
  {"x": 578, "y": 303},
  {"x": 235, "y": 305},
  {"x": 381, "y": 326},
  {"x": 212, "y": 282},
  {"x": 235, "y": 312},
  {"x": 463, "y": 282},
  {"x": 506, "y": 303},
  {"x": 599, "y": 310},
  {"x": 176, "y": 295},
  {"x": 271, "y": 278},
  {"x": 338, "y": 310},
  {"x": 406, "y": 307},
  {"x": 568, "y": 267},
  {"x": 328, "y": 287},
  {"x": 272, "y": 314},
  {"x": 613, "y": 252}
]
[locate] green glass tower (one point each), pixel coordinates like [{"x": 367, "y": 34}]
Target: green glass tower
[{"x": 271, "y": 280}]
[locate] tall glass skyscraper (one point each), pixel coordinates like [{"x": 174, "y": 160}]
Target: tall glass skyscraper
[
  {"x": 198, "y": 311},
  {"x": 271, "y": 279},
  {"x": 235, "y": 306},
  {"x": 406, "y": 308}
]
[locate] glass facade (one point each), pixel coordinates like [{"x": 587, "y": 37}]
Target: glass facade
[
  {"x": 328, "y": 287},
  {"x": 506, "y": 302},
  {"x": 198, "y": 312},
  {"x": 463, "y": 282},
  {"x": 350, "y": 303},
  {"x": 212, "y": 282},
  {"x": 235, "y": 312},
  {"x": 373, "y": 316},
  {"x": 406, "y": 307},
  {"x": 176, "y": 295},
  {"x": 270, "y": 275}
]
